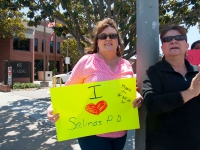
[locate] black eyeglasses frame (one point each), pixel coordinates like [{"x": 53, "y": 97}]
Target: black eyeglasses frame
[
  {"x": 104, "y": 36},
  {"x": 176, "y": 37}
]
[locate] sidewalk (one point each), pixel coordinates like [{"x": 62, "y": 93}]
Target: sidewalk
[{"x": 24, "y": 125}]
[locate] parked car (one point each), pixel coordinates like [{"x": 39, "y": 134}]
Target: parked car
[{"x": 64, "y": 77}]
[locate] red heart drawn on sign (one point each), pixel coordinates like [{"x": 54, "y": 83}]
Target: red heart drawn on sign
[{"x": 96, "y": 109}]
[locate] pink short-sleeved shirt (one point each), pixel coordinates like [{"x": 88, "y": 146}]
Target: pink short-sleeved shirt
[{"x": 91, "y": 68}]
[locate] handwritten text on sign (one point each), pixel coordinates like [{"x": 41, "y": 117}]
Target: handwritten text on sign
[{"x": 95, "y": 108}]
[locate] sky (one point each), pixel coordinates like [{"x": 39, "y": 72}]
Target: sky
[{"x": 193, "y": 35}]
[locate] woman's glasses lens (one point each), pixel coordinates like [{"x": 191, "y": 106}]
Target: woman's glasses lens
[
  {"x": 104, "y": 36},
  {"x": 177, "y": 37}
]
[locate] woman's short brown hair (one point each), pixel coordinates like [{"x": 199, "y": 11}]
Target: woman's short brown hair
[
  {"x": 180, "y": 29},
  {"x": 100, "y": 26}
]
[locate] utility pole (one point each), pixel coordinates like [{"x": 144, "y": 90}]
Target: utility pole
[
  {"x": 55, "y": 51},
  {"x": 67, "y": 51},
  {"x": 44, "y": 57},
  {"x": 147, "y": 53},
  {"x": 44, "y": 83}
]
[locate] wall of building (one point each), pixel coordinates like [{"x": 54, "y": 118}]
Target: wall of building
[
  {"x": 5, "y": 45},
  {"x": 20, "y": 55},
  {"x": 39, "y": 55},
  {"x": 8, "y": 53}
]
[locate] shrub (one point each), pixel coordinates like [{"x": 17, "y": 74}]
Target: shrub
[{"x": 19, "y": 85}]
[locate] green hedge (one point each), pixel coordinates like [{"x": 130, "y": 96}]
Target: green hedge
[{"x": 19, "y": 85}]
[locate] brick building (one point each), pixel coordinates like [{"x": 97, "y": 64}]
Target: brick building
[{"x": 32, "y": 50}]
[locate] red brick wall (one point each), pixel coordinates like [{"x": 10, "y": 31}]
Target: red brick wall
[
  {"x": 7, "y": 53},
  {"x": 4, "y": 54},
  {"x": 20, "y": 55},
  {"x": 22, "y": 80},
  {"x": 48, "y": 56}
]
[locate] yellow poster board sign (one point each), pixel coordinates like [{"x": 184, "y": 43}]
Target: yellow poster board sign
[{"x": 95, "y": 108}]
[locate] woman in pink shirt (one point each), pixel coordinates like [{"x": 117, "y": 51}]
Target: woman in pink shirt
[{"x": 103, "y": 62}]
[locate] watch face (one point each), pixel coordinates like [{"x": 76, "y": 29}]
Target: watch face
[{"x": 195, "y": 68}]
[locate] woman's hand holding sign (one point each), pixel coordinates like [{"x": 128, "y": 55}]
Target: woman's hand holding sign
[
  {"x": 193, "y": 90},
  {"x": 138, "y": 101},
  {"x": 50, "y": 116}
]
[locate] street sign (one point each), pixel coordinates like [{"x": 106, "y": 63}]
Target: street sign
[
  {"x": 9, "y": 69},
  {"x": 9, "y": 75},
  {"x": 67, "y": 60}
]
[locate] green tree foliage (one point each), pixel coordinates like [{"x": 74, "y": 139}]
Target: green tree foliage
[
  {"x": 70, "y": 45},
  {"x": 79, "y": 16},
  {"x": 179, "y": 12},
  {"x": 11, "y": 24}
]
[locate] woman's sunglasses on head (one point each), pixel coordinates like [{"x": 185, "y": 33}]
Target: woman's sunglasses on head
[
  {"x": 177, "y": 38},
  {"x": 104, "y": 36}
]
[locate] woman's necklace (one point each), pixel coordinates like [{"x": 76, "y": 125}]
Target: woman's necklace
[{"x": 113, "y": 64}]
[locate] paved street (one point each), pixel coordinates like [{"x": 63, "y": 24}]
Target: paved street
[{"x": 23, "y": 123}]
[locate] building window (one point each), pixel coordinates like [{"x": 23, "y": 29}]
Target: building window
[
  {"x": 36, "y": 44},
  {"x": 52, "y": 67},
  {"x": 58, "y": 66},
  {"x": 23, "y": 45},
  {"x": 38, "y": 66},
  {"x": 51, "y": 47},
  {"x": 42, "y": 45},
  {"x": 58, "y": 47}
]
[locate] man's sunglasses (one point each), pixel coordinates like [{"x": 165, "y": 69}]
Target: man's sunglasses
[
  {"x": 177, "y": 37},
  {"x": 104, "y": 36}
]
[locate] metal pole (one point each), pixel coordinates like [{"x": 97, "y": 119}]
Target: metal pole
[
  {"x": 147, "y": 53},
  {"x": 55, "y": 48},
  {"x": 44, "y": 62},
  {"x": 67, "y": 51}
]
